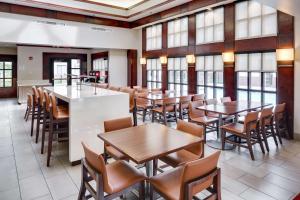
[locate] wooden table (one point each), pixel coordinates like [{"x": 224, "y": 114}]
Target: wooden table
[
  {"x": 234, "y": 108},
  {"x": 143, "y": 144}
]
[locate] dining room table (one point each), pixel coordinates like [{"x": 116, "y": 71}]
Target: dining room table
[{"x": 226, "y": 110}]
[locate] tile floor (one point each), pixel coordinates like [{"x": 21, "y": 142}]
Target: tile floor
[{"x": 24, "y": 175}]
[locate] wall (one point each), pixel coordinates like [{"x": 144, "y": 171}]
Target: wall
[
  {"x": 33, "y": 69},
  {"x": 117, "y": 60},
  {"x": 23, "y": 29}
]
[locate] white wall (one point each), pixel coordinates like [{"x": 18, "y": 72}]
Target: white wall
[
  {"x": 33, "y": 69},
  {"x": 139, "y": 66},
  {"x": 23, "y": 29},
  {"x": 117, "y": 67}
]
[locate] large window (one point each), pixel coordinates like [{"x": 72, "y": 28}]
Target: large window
[
  {"x": 153, "y": 73},
  {"x": 5, "y": 74},
  {"x": 253, "y": 19},
  {"x": 178, "y": 32},
  {"x": 178, "y": 75},
  {"x": 153, "y": 35},
  {"x": 210, "y": 76},
  {"x": 210, "y": 26},
  {"x": 75, "y": 70},
  {"x": 101, "y": 64},
  {"x": 256, "y": 77}
]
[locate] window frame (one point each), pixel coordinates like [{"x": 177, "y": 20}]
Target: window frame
[
  {"x": 157, "y": 83},
  {"x": 180, "y": 32},
  {"x": 181, "y": 72},
  {"x": 3, "y": 71},
  {"x": 156, "y": 38}
]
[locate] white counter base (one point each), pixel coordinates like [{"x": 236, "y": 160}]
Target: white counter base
[{"x": 87, "y": 113}]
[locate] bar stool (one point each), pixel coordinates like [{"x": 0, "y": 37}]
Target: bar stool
[
  {"x": 46, "y": 119},
  {"x": 184, "y": 105},
  {"x": 266, "y": 126},
  {"x": 34, "y": 108},
  {"x": 40, "y": 113},
  {"x": 29, "y": 107},
  {"x": 57, "y": 117},
  {"x": 280, "y": 121}
]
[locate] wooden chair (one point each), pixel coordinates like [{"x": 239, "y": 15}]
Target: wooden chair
[
  {"x": 185, "y": 181},
  {"x": 116, "y": 179},
  {"x": 34, "y": 108},
  {"x": 249, "y": 132},
  {"x": 40, "y": 114},
  {"x": 280, "y": 121},
  {"x": 199, "y": 117},
  {"x": 199, "y": 97},
  {"x": 184, "y": 105},
  {"x": 142, "y": 104},
  {"x": 266, "y": 126},
  {"x": 114, "y": 88},
  {"x": 28, "y": 111},
  {"x": 211, "y": 102},
  {"x": 188, "y": 154},
  {"x": 225, "y": 99},
  {"x": 58, "y": 124},
  {"x": 112, "y": 125},
  {"x": 167, "y": 110},
  {"x": 132, "y": 108}
]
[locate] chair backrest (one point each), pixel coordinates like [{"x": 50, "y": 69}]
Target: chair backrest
[
  {"x": 41, "y": 96},
  {"x": 225, "y": 99},
  {"x": 199, "y": 168},
  {"x": 96, "y": 162},
  {"x": 117, "y": 124},
  {"x": 193, "y": 111},
  {"x": 114, "y": 88},
  {"x": 29, "y": 100},
  {"x": 169, "y": 101},
  {"x": 54, "y": 105},
  {"x": 47, "y": 100},
  {"x": 211, "y": 101},
  {"x": 266, "y": 115},
  {"x": 35, "y": 95},
  {"x": 141, "y": 98},
  {"x": 192, "y": 129},
  {"x": 230, "y": 103},
  {"x": 185, "y": 99},
  {"x": 198, "y": 97},
  {"x": 250, "y": 121},
  {"x": 279, "y": 111}
]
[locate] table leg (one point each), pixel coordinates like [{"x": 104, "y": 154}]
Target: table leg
[
  {"x": 217, "y": 144},
  {"x": 149, "y": 173}
]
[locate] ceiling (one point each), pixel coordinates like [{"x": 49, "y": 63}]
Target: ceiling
[{"x": 125, "y": 10}]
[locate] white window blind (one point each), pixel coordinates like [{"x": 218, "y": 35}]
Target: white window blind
[
  {"x": 253, "y": 19},
  {"x": 178, "y": 32},
  {"x": 100, "y": 64},
  {"x": 209, "y": 63},
  {"x": 256, "y": 62},
  {"x": 210, "y": 26},
  {"x": 154, "y": 37},
  {"x": 177, "y": 64}
]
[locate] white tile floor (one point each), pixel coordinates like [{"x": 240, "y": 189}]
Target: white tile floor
[{"x": 24, "y": 175}]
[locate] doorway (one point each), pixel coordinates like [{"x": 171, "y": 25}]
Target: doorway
[{"x": 8, "y": 76}]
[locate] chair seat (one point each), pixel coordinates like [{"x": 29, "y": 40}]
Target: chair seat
[
  {"x": 179, "y": 157},
  {"x": 205, "y": 120},
  {"x": 121, "y": 175},
  {"x": 115, "y": 153},
  {"x": 234, "y": 128},
  {"x": 143, "y": 106},
  {"x": 62, "y": 114},
  {"x": 160, "y": 109}
]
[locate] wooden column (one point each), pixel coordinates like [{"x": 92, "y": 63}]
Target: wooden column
[
  {"x": 131, "y": 68},
  {"x": 192, "y": 79},
  {"x": 285, "y": 70},
  {"x": 229, "y": 81},
  {"x": 164, "y": 77}
]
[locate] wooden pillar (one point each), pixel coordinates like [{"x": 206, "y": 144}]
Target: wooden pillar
[
  {"x": 285, "y": 70},
  {"x": 229, "y": 81},
  {"x": 192, "y": 79},
  {"x": 131, "y": 68},
  {"x": 164, "y": 77}
]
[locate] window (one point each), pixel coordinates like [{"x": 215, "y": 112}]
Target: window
[
  {"x": 210, "y": 26},
  {"x": 153, "y": 36},
  {"x": 153, "y": 73},
  {"x": 178, "y": 75},
  {"x": 178, "y": 32},
  {"x": 253, "y": 19},
  {"x": 75, "y": 70},
  {"x": 6, "y": 74},
  {"x": 210, "y": 76},
  {"x": 256, "y": 77},
  {"x": 101, "y": 64}
]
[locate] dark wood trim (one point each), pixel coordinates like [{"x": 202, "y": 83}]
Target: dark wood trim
[
  {"x": 99, "y": 55},
  {"x": 192, "y": 79},
  {"x": 12, "y": 91},
  {"x": 256, "y": 44},
  {"x": 131, "y": 68},
  {"x": 164, "y": 77},
  {"x": 52, "y": 14},
  {"x": 144, "y": 76},
  {"x": 229, "y": 81}
]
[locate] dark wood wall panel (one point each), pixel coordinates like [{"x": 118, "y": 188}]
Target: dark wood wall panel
[
  {"x": 229, "y": 81},
  {"x": 164, "y": 77},
  {"x": 99, "y": 55},
  {"x": 131, "y": 68},
  {"x": 256, "y": 44}
]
